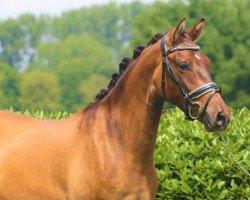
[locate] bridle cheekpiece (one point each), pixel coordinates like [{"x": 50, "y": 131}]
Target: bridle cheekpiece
[{"x": 188, "y": 96}]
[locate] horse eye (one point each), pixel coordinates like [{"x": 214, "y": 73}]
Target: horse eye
[{"x": 183, "y": 66}]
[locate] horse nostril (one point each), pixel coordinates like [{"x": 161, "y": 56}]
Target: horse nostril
[{"x": 221, "y": 119}]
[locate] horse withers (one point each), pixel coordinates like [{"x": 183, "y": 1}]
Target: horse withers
[{"x": 105, "y": 151}]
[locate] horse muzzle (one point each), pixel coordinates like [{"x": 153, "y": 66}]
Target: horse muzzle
[{"x": 217, "y": 115}]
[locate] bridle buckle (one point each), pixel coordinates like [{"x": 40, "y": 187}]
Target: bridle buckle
[{"x": 194, "y": 110}]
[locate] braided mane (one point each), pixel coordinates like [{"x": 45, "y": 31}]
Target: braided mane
[{"x": 124, "y": 64}]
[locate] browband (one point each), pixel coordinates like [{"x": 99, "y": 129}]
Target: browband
[{"x": 165, "y": 51}]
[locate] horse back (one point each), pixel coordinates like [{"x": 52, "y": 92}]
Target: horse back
[
  {"x": 35, "y": 156},
  {"x": 12, "y": 125}
]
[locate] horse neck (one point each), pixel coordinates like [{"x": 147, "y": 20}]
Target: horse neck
[{"x": 136, "y": 105}]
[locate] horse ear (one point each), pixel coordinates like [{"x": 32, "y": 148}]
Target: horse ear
[
  {"x": 195, "y": 31},
  {"x": 178, "y": 30}
]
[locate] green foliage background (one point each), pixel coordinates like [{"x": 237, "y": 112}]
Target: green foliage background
[
  {"x": 82, "y": 47},
  {"x": 194, "y": 164}
]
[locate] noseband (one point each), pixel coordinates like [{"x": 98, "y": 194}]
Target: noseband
[{"x": 188, "y": 96}]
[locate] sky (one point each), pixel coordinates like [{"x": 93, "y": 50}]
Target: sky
[{"x": 13, "y": 8}]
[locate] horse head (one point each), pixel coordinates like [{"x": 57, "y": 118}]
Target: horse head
[{"x": 184, "y": 78}]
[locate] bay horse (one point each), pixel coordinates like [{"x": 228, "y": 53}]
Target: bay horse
[{"x": 105, "y": 151}]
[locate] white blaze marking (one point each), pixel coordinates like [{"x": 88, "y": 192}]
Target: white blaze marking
[{"x": 197, "y": 56}]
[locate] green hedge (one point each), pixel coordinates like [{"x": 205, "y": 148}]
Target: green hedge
[{"x": 194, "y": 164}]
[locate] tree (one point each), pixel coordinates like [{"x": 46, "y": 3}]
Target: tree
[
  {"x": 39, "y": 91},
  {"x": 110, "y": 24},
  {"x": 18, "y": 39},
  {"x": 91, "y": 86},
  {"x": 74, "y": 60},
  {"x": 11, "y": 41},
  {"x": 9, "y": 86}
]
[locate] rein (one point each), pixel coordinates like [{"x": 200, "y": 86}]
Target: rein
[{"x": 188, "y": 96}]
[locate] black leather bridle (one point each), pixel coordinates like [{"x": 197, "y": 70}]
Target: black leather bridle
[{"x": 188, "y": 96}]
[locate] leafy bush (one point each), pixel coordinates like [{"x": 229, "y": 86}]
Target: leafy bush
[
  {"x": 194, "y": 164},
  {"x": 46, "y": 115}
]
